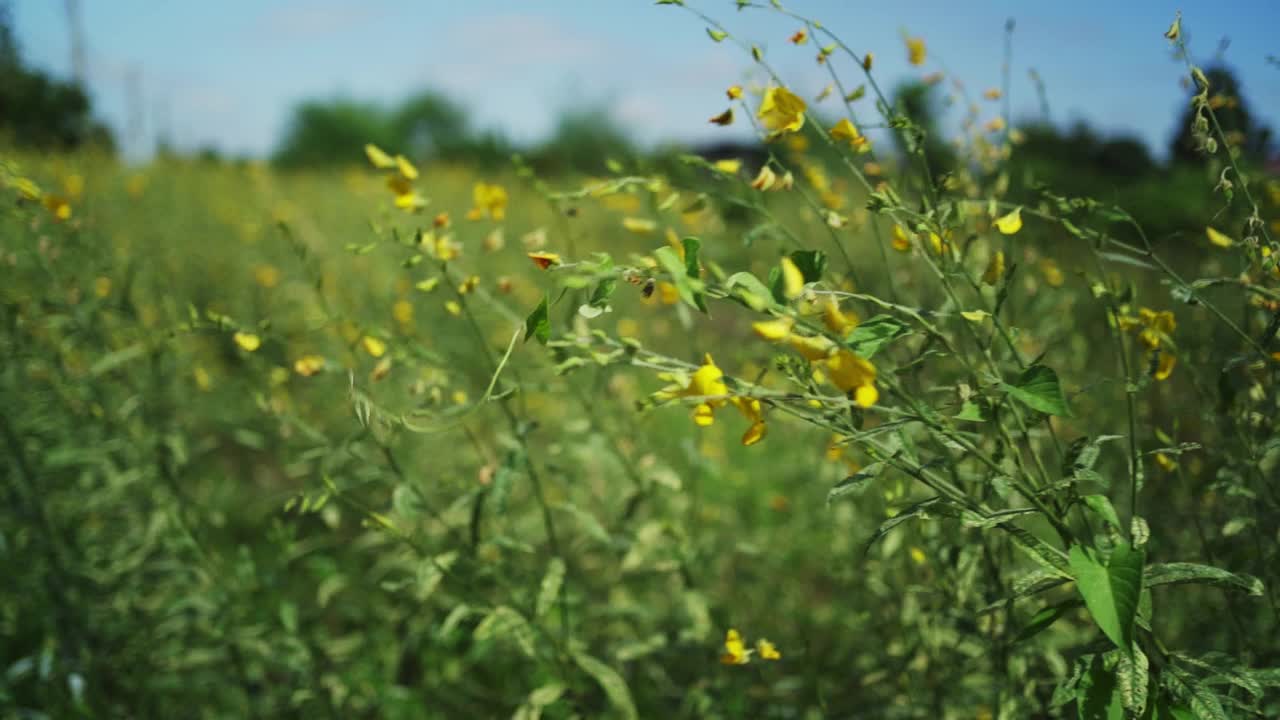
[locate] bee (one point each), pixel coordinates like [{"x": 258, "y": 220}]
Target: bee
[{"x": 648, "y": 283}]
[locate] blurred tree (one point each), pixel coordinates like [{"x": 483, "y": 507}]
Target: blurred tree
[
  {"x": 39, "y": 111},
  {"x": 429, "y": 124},
  {"x": 325, "y": 132},
  {"x": 583, "y": 141},
  {"x": 1228, "y": 103}
]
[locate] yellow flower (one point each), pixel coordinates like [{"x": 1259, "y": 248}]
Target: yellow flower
[
  {"x": 901, "y": 242},
  {"x": 378, "y": 158},
  {"x": 266, "y": 276},
  {"x": 800, "y": 37},
  {"x": 837, "y": 321},
  {"x": 247, "y": 341},
  {"x": 992, "y": 94},
  {"x": 995, "y": 268},
  {"x": 751, "y": 410},
  {"x": 867, "y": 61},
  {"x": 846, "y": 131},
  {"x": 1165, "y": 462},
  {"x": 734, "y": 92},
  {"x": 852, "y": 373},
  {"x": 1217, "y": 238},
  {"x": 774, "y": 330},
  {"x": 640, "y": 226},
  {"x": 728, "y": 167},
  {"x": 915, "y": 51},
  {"x": 707, "y": 384},
  {"x": 767, "y": 651},
  {"x": 402, "y": 311},
  {"x": 1052, "y": 273},
  {"x": 792, "y": 279},
  {"x": 203, "y": 380},
  {"x": 102, "y": 286},
  {"x": 469, "y": 285},
  {"x": 381, "y": 370},
  {"x": 1010, "y": 223},
  {"x": 58, "y": 206},
  {"x": 406, "y": 168},
  {"x": 375, "y": 347},
  {"x": 781, "y": 111},
  {"x": 765, "y": 179},
  {"x": 308, "y": 365},
  {"x": 544, "y": 259},
  {"x": 918, "y": 555},
  {"x": 735, "y": 651},
  {"x": 1164, "y": 366},
  {"x": 812, "y": 347},
  {"x": 488, "y": 200}
]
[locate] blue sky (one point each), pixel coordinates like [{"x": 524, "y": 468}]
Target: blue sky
[{"x": 226, "y": 73}]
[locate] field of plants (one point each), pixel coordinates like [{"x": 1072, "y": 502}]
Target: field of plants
[{"x": 845, "y": 428}]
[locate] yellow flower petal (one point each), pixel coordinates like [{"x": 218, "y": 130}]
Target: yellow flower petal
[
  {"x": 378, "y": 158},
  {"x": 308, "y": 365},
  {"x": 767, "y": 651},
  {"x": 792, "y": 279},
  {"x": 995, "y": 268},
  {"x": 916, "y": 52},
  {"x": 774, "y": 330},
  {"x": 247, "y": 341},
  {"x": 1220, "y": 239},
  {"x": 406, "y": 168},
  {"x": 640, "y": 226},
  {"x": 375, "y": 347},
  {"x": 1010, "y": 223},
  {"x": 901, "y": 242}
]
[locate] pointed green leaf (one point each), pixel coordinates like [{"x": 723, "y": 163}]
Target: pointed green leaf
[
  {"x": 538, "y": 324},
  {"x": 1110, "y": 591},
  {"x": 1038, "y": 388},
  {"x": 615, "y": 688}
]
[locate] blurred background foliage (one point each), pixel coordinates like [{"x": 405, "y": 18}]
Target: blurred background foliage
[{"x": 152, "y": 570}]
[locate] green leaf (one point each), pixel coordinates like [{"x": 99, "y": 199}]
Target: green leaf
[
  {"x": 717, "y": 35},
  {"x": 1038, "y": 388},
  {"x": 1099, "y": 695},
  {"x": 538, "y": 324},
  {"x": 867, "y": 339},
  {"x": 1043, "y": 619},
  {"x": 1110, "y": 591},
  {"x": 970, "y": 411},
  {"x": 855, "y": 483},
  {"x": 692, "y": 246},
  {"x": 1048, "y": 557},
  {"x": 615, "y": 688},
  {"x": 753, "y": 293},
  {"x": 551, "y": 584},
  {"x": 811, "y": 263},
  {"x": 1185, "y": 573},
  {"x": 1132, "y": 680},
  {"x": 673, "y": 265},
  {"x": 1102, "y": 506},
  {"x": 603, "y": 291},
  {"x": 923, "y": 510},
  {"x": 508, "y": 625}
]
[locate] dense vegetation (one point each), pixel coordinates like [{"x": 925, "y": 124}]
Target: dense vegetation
[{"x": 973, "y": 429}]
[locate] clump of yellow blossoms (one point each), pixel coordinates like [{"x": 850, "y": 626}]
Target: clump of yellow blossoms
[
  {"x": 736, "y": 651},
  {"x": 708, "y": 388},
  {"x": 488, "y": 200},
  {"x": 848, "y": 371},
  {"x": 1155, "y": 331}
]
